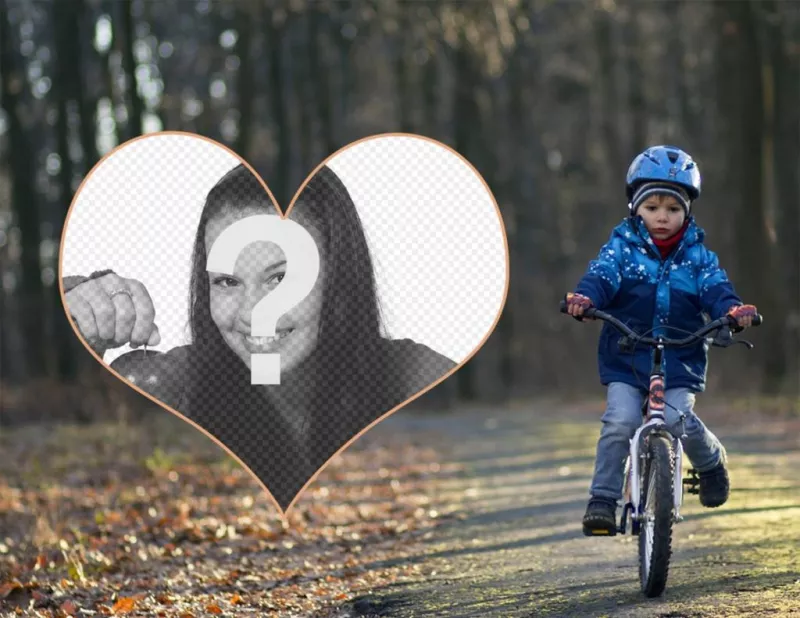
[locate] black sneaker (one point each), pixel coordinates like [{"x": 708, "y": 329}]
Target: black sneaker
[
  {"x": 600, "y": 517},
  {"x": 715, "y": 485}
]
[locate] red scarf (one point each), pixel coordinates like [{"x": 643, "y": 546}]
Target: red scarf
[{"x": 668, "y": 244}]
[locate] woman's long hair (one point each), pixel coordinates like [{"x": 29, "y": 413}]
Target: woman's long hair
[{"x": 348, "y": 374}]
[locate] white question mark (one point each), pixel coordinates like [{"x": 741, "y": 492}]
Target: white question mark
[{"x": 302, "y": 269}]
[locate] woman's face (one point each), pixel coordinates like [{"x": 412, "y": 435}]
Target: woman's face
[{"x": 259, "y": 269}]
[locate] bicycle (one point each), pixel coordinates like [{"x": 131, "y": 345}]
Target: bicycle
[{"x": 653, "y": 487}]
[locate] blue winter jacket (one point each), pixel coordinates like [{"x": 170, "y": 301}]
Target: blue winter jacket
[{"x": 631, "y": 281}]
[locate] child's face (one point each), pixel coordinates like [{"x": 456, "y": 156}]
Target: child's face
[
  {"x": 663, "y": 216},
  {"x": 259, "y": 269}
]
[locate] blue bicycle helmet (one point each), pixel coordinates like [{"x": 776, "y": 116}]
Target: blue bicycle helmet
[{"x": 664, "y": 164}]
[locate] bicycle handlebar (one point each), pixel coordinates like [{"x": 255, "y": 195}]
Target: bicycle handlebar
[{"x": 725, "y": 321}]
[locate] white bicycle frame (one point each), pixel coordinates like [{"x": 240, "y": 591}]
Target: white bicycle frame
[
  {"x": 633, "y": 470},
  {"x": 656, "y": 419}
]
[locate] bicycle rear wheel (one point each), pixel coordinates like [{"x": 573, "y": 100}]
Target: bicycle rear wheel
[{"x": 655, "y": 533}]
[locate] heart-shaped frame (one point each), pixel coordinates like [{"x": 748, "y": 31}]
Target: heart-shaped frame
[{"x": 421, "y": 368}]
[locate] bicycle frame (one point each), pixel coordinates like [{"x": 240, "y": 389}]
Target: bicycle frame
[{"x": 654, "y": 421}]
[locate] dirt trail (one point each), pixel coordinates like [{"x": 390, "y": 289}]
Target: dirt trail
[{"x": 518, "y": 550}]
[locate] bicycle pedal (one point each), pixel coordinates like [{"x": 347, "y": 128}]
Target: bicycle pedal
[
  {"x": 599, "y": 531},
  {"x": 692, "y": 482},
  {"x": 599, "y": 527}
]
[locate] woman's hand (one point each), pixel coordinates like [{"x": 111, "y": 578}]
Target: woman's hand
[{"x": 111, "y": 311}]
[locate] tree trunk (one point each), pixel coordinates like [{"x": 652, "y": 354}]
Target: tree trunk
[
  {"x": 278, "y": 183},
  {"x": 68, "y": 87},
  {"x": 304, "y": 87},
  {"x": 125, "y": 46},
  {"x": 747, "y": 109},
  {"x": 341, "y": 128},
  {"x": 786, "y": 156},
  {"x": 688, "y": 116},
  {"x": 24, "y": 205},
  {"x": 244, "y": 79},
  {"x": 637, "y": 104},
  {"x": 109, "y": 75},
  {"x": 402, "y": 49},
  {"x": 431, "y": 86},
  {"x": 320, "y": 80},
  {"x": 606, "y": 56},
  {"x": 87, "y": 104},
  {"x": 466, "y": 119}
]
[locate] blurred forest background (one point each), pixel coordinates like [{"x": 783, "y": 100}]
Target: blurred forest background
[{"x": 549, "y": 100}]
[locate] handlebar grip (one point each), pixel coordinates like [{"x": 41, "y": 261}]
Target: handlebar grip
[
  {"x": 588, "y": 313},
  {"x": 758, "y": 320}
]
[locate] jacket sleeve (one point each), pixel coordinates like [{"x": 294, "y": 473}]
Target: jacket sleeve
[
  {"x": 602, "y": 279},
  {"x": 717, "y": 294}
]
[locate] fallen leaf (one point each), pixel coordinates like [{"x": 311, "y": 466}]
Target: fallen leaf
[
  {"x": 123, "y": 605},
  {"x": 214, "y": 609},
  {"x": 236, "y": 599},
  {"x": 113, "y": 517},
  {"x": 69, "y": 608},
  {"x": 164, "y": 599},
  {"x": 9, "y": 587}
]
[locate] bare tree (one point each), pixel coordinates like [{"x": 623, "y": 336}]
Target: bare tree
[
  {"x": 785, "y": 116},
  {"x": 747, "y": 108},
  {"x": 245, "y": 17},
  {"x": 24, "y": 201},
  {"x": 125, "y": 42}
]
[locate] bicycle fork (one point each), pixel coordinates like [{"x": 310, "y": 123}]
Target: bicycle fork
[{"x": 632, "y": 495}]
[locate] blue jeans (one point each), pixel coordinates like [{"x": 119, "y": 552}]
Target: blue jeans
[{"x": 622, "y": 418}]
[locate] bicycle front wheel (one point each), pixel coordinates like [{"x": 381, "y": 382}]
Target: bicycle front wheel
[{"x": 655, "y": 533}]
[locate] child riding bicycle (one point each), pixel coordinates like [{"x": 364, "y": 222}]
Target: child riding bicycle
[{"x": 655, "y": 272}]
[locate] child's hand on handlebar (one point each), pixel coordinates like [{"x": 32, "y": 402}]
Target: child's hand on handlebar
[
  {"x": 577, "y": 304},
  {"x": 743, "y": 314}
]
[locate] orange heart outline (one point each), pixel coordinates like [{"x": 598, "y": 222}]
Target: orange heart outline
[{"x": 284, "y": 514}]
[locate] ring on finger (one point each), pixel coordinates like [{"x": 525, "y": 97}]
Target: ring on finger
[{"x": 113, "y": 293}]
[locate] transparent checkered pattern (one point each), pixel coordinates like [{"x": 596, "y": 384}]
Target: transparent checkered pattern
[
  {"x": 437, "y": 235},
  {"x": 334, "y": 394},
  {"x": 137, "y": 214}
]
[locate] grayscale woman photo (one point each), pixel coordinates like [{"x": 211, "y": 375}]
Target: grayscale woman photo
[{"x": 338, "y": 372}]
